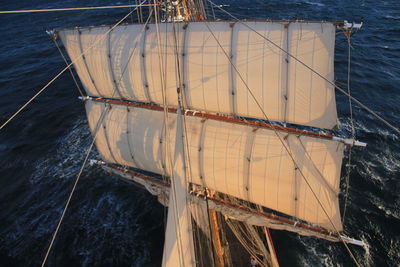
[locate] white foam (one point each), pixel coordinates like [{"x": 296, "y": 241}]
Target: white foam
[
  {"x": 68, "y": 157},
  {"x": 314, "y": 3}
]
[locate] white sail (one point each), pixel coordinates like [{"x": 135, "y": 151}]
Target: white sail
[
  {"x": 217, "y": 67},
  {"x": 251, "y": 164},
  {"x": 178, "y": 245}
]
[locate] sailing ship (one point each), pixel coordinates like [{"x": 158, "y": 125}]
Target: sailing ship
[{"x": 229, "y": 123}]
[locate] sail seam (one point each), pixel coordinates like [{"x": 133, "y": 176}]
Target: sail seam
[
  {"x": 232, "y": 88},
  {"x": 201, "y": 151},
  {"x": 114, "y": 82},
  {"x": 85, "y": 62},
  {"x": 248, "y": 160},
  {"x": 144, "y": 69},
  {"x": 184, "y": 65},
  {"x": 130, "y": 132},
  {"x": 286, "y": 87},
  {"x": 105, "y": 129}
]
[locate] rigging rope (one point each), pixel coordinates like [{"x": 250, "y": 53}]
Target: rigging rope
[
  {"x": 181, "y": 103},
  {"x": 69, "y": 9},
  {"x": 397, "y": 130},
  {"x": 139, "y": 13},
  {"x": 73, "y": 189},
  {"x": 353, "y": 131},
  {"x": 181, "y": 95},
  {"x": 69, "y": 67},
  {"x": 166, "y": 147},
  {"x": 36, "y": 95},
  {"x": 167, "y": 143},
  {"x": 283, "y": 143},
  {"x": 130, "y": 9},
  {"x": 244, "y": 234},
  {"x": 181, "y": 100},
  {"x": 66, "y": 68}
]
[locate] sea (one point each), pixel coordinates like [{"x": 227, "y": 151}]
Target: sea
[{"x": 112, "y": 223}]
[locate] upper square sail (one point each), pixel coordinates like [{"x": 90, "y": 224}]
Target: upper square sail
[{"x": 217, "y": 64}]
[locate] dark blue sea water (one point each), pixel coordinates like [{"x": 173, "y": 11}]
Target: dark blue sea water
[{"x": 111, "y": 223}]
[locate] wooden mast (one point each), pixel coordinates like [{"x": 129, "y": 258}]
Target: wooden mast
[
  {"x": 271, "y": 247},
  {"x": 216, "y": 238}
]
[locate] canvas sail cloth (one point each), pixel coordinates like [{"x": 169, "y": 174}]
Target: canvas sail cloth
[
  {"x": 178, "y": 245},
  {"x": 126, "y": 64},
  {"x": 233, "y": 159}
]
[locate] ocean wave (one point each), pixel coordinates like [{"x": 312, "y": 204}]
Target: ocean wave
[
  {"x": 392, "y": 17},
  {"x": 316, "y": 256},
  {"x": 105, "y": 223},
  {"x": 67, "y": 159},
  {"x": 394, "y": 249},
  {"x": 314, "y": 3},
  {"x": 328, "y": 254}
]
